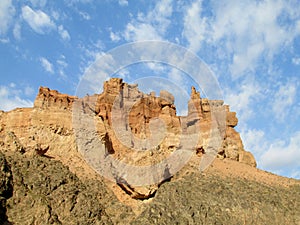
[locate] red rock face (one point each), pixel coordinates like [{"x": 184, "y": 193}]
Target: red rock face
[
  {"x": 49, "y": 125},
  {"x": 232, "y": 146},
  {"x": 47, "y": 98},
  {"x": 138, "y": 109}
]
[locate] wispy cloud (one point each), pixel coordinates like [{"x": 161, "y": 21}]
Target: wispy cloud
[
  {"x": 7, "y": 12},
  {"x": 254, "y": 140},
  {"x": 296, "y": 61},
  {"x": 151, "y": 26},
  {"x": 62, "y": 65},
  {"x": 123, "y": 2},
  {"x": 282, "y": 154},
  {"x": 247, "y": 32},
  {"x": 243, "y": 98},
  {"x": 114, "y": 37},
  {"x": 284, "y": 98},
  {"x": 39, "y": 21},
  {"x": 46, "y": 65},
  {"x": 28, "y": 91},
  {"x": 17, "y": 31},
  {"x": 195, "y": 26},
  {"x": 140, "y": 31},
  {"x": 256, "y": 32},
  {"x": 63, "y": 33},
  {"x": 40, "y": 3},
  {"x": 4, "y": 40},
  {"x": 10, "y": 98},
  {"x": 61, "y": 61},
  {"x": 85, "y": 15}
]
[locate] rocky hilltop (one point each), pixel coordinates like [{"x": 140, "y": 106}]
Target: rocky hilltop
[
  {"x": 123, "y": 115},
  {"x": 49, "y": 174}
]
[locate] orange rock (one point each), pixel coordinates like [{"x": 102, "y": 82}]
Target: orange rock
[
  {"x": 47, "y": 98},
  {"x": 49, "y": 123}
]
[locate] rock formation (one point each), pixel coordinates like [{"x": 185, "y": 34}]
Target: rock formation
[
  {"x": 126, "y": 119},
  {"x": 147, "y": 106},
  {"x": 45, "y": 177}
]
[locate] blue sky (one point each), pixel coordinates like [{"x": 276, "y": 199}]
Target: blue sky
[{"x": 253, "y": 48}]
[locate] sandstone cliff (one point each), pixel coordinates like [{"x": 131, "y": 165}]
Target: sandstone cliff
[
  {"x": 46, "y": 166},
  {"x": 124, "y": 121}
]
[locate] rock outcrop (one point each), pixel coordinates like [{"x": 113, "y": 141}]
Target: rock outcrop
[
  {"x": 47, "y": 98},
  {"x": 125, "y": 119},
  {"x": 45, "y": 178}
]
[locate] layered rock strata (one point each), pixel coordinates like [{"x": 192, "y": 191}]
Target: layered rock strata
[{"x": 136, "y": 128}]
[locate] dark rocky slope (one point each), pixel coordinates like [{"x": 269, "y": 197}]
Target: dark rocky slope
[
  {"x": 199, "y": 199},
  {"x": 43, "y": 191},
  {"x": 40, "y": 190}
]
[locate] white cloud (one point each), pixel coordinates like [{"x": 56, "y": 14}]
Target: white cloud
[
  {"x": 114, "y": 37},
  {"x": 246, "y": 33},
  {"x": 282, "y": 155},
  {"x": 47, "y": 65},
  {"x": 141, "y": 32},
  {"x": 61, "y": 65},
  {"x": 10, "y": 99},
  {"x": 55, "y": 15},
  {"x": 85, "y": 15},
  {"x": 123, "y": 2},
  {"x": 4, "y": 40},
  {"x": 28, "y": 91},
  {"x": 296, "y": 61},
  {"x": 253, "y": 29},
  {"x": 284, "y": 98},
  {"x": 61, "y": 61},
  {"x": 40, "y": 3},
  {"x": 63, "y": 33},
  {"x": 7, "y": 12},
  {"x": 93, "y": 77},
  {"x": 194, "y": 26},
  {"x": 61, "y": 73},
  {"x": 247, "y": 60},
  {"x": 279, "y": 156},
  {"x": 157, "y": 68},
  {"x": 39, "y": 21},
  {"x": 242, "y": 98},
  {"x": 124, "y": 74},
  {"x": 254, "y": 141},
  {"x": 12, "y": 85},
  {"x": 17, "y": 31},
  {"x": 151, "y": 26}
]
